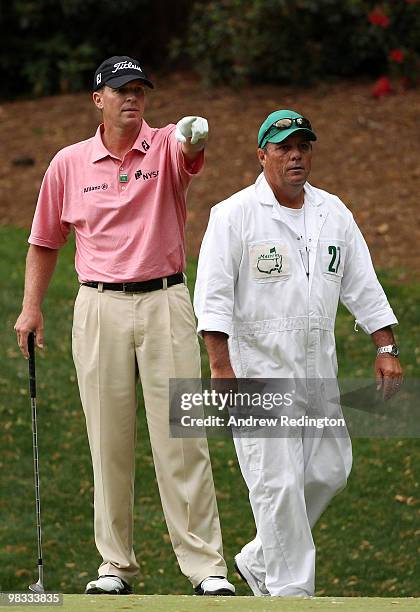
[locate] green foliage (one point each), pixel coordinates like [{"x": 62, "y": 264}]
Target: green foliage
[
  {"x": 59, "y": 66},
  {"x": 366, "y": 540},
  {"x": 51, "y": 46},
  {"x": 288, "y": 40}
]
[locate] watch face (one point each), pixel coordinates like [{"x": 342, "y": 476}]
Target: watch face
[{"x": 389, "y": 350}]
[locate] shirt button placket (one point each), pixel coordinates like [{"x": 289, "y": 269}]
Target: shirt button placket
[{"x": 121, "y": 183}]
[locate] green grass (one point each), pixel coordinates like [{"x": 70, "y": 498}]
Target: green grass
[
  {"x": 367, "y": 540},
  {"x": 180, "y": 603}
]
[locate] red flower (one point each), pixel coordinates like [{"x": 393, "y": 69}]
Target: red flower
[
  {"x": 382, "y": 87},
  {"x": 396, "y": 55},
  {"x": 378, "y": 17}
]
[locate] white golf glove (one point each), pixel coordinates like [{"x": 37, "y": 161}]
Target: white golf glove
[{"x": 195, "y": 128}]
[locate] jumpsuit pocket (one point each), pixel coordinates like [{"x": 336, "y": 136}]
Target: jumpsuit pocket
[
  {"x": 252, "y": 454},
  {"x": 333, "y": 256},
  {"x": 240, "y": 351}
]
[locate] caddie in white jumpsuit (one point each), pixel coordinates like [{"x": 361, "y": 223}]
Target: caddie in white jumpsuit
[{"x": 276, "y": 259}]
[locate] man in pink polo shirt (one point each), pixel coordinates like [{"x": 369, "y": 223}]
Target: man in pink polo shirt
[{"x": 123, "y": 192}]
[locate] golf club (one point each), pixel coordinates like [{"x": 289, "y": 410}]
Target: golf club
[{"x": 38, "y": 587}]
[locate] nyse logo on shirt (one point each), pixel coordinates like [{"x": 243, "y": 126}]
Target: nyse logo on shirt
[{"x": 146, "y": 175}]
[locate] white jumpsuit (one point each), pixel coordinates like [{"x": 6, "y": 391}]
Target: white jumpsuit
[{"x": 253, "y": 286}]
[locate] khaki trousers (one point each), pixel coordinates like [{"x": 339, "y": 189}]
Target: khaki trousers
[{"x": 116, "y": 337}]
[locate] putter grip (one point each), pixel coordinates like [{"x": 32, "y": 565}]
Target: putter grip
[{"x": 31, "y": 349}]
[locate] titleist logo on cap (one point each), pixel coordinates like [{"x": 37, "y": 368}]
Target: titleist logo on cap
[
  {"x": 125, "y": 65},
  {"x": 117, "y": 71}
]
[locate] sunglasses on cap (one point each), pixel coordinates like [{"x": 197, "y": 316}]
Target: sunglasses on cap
[{"x": 286, "y": 123}]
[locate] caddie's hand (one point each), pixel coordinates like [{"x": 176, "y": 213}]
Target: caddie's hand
[
  {"x": 29, "y": 320},
  {"x": 223, "y": 372},
  {"x": 224, "y": 381},
  {"x": 195, "y": 128},
  {"x": 389, "y": 375}
]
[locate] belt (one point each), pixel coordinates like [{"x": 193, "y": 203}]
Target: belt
[{"x": 142, "y": 287}]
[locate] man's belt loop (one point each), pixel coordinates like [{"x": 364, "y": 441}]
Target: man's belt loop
[
  {"x": 164, "y": 283},
  {"x": 100, "y": 287}
]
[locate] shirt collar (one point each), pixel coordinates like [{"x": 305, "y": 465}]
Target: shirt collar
[
  {"x": 141, "y": 144},
  {"x": 266, "y": 196},
  {"x": 144, "y": 138}
]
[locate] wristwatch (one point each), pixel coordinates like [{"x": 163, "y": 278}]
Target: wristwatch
[{"x": 391, "y": 349}]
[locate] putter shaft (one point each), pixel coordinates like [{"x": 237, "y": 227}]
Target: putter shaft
[{"x": 38, "y": 587}]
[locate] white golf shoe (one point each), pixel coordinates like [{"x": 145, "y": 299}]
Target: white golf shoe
[
  {"x": 108, "y": 585},
  {"x": 215, "y": 585},
  {"x": 257, "y": 587}
]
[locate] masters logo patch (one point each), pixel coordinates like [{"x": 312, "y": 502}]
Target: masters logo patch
[{"x": 269, "y": 260}]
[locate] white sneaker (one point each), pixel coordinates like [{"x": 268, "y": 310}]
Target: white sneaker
[
  {"x": 258, "y": 588},
  {"x": 108, "y": 585},
  {"x": 215, "y": 585}
]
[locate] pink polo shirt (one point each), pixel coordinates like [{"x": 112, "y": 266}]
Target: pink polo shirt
[{"x": 129, "y": 230}]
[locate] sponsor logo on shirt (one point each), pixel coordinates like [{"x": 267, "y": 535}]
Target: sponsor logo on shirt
[
  {"x": 145, "y": 145},
  {"x": 146, "y": 175},
  {"x": 95, "y": 187}
]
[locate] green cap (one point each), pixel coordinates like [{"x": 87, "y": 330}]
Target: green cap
[{"x": 265, "y": 134}]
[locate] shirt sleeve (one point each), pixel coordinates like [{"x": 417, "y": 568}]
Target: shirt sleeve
[
  {"x": 361, "y": 292},
  {"x": 48, "y": 229},
  {"x": 217, "y": 272}
]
